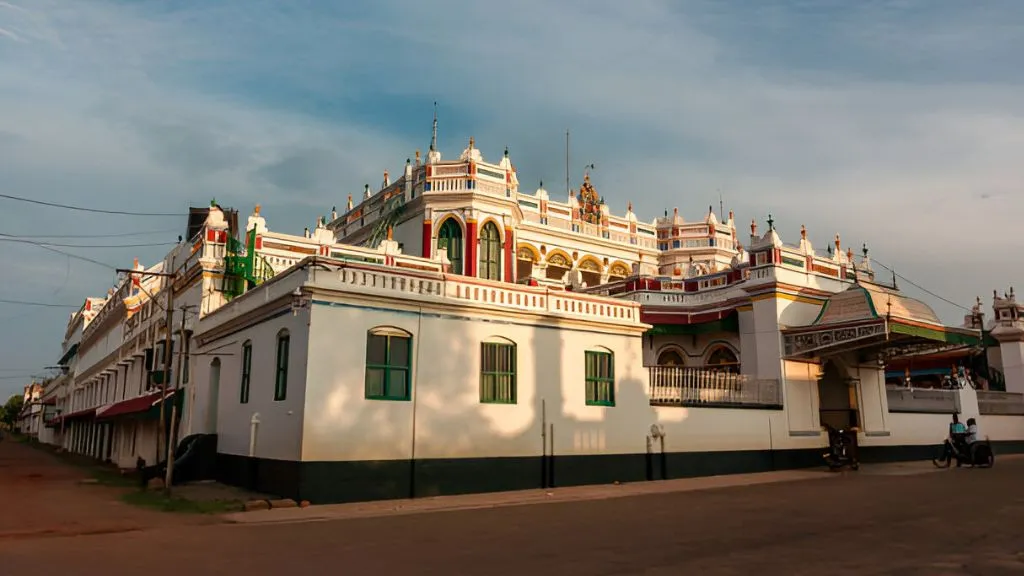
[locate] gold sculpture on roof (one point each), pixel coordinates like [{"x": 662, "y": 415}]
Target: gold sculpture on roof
[{"x": 590, "y": 202}]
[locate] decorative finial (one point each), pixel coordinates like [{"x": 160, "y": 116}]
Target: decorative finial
[
  {"x": 753, "y": 227},
  {"x": 849, "y": 253},
  {"x": 829, "y": 249},
  {"x": 256, "y": 210},
  {"x": 730, "y": 215},
  {"x": 771, "y": 222},
  {"x": 711, "y": 209},
  {"x": 629, "y": 206},
  {"x": 506, "y": 151},
  {"x": 417, "y": 156},
  {"x": 803, "y": 232},
  {"x": 471, "y": 141},
  {"x": 864, "y": 250},
  {"x": 407, "y": 161},
  {"x": 135, "y": 263},
  {"x": 838, "y": 249},
  {"x": 213, "y": 202},
  {"x": 391, "y": 233},
  {"x": 541, "y": 185},
  {"x": 675, "y": 211}
]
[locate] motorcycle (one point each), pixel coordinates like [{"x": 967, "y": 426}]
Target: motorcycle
[
  {"x": 977, "y": 454},
  {"x": 841, "y": 451}
]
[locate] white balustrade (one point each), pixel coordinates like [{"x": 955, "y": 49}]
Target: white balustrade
[{"x": 688, "y": 386}]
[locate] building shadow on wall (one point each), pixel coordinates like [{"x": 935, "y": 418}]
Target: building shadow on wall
[{"x": 458, "y": 444}]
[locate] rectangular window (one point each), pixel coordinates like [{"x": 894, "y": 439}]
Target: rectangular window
[
  {"x": 281, "y": 382},
  {"x": 388, "y": 358},
  {"x": 600, "y": 377},
  {"x": 246, "y": 373},
  {"x": 498, "y": 373}
]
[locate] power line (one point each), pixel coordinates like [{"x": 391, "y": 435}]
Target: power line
[
  {"x": 6, "y": 238},
  {"x": 83, "y": 209},
  {"x": 919, "y": 287},
  {"x": 46, "y": 304},
  {"x": 120, "y": 235},
  {"x": 76, "y": 256}
]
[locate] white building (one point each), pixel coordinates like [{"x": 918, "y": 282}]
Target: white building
[{"x": 449, "y": 334}]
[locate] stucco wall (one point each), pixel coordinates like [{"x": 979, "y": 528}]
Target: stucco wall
[
  {"x": 279, "y": 435},
  {"x": 694, "y": 349},
  {"x": 450, "y": 420}
]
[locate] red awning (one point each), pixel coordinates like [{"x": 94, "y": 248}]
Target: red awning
[
  {"x": 75, "y": 415},
  {"x": 132, "y": 406}
]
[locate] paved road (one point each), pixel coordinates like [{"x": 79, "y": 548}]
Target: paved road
[{"x": 874, "y": 522}]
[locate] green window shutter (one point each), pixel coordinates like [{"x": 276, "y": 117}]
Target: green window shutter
[
  {"x": 497, "y": 373},
  {"x": 246, "y": 372},
  {"x": 600, "y": 378},
  {"x": 281, "y": 380},
  {"x": 388, "y": 367}
]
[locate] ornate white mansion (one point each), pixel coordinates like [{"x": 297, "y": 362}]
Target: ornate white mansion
[{"x": 448, "y": 333}]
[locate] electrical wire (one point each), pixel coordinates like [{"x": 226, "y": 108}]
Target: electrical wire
[
  {"x": 45, "y": 304},
  {"x": 119, "y": 235},
  {"x": 45, "y": 246},
  {"x": 919, "y": 287},
  {"x": 6, "y": 238},
  {"x": 95, "y": 210}
]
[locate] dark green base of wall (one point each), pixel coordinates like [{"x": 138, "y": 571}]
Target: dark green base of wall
[{"x": 336, "y": 482}]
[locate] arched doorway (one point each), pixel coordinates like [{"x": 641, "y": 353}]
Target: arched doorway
[
  {"x": 490, "y": 252},
  {"x": 723, "y": 359},
  {"x": 837, "y": 398},
  {"x": 525, "y": 259},
  {"x": 670, "y": 357},
  {"x": 558, "y": 265},
  {"x": 449, "y": 239},
  {"x": 213, "y": 394}
]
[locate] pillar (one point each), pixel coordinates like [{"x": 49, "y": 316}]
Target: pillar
[
  {"x": 510, "y": 255},
  {"x": 471, "y": 249}
]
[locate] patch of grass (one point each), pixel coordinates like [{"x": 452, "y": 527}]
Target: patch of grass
[{"x": 157, "y": 500}]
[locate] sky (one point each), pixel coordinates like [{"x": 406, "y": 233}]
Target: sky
[{"x": 894, "y": 123}]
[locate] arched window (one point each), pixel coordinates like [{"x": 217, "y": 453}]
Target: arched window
[
  {"x": 449, "y": 239},
  {"x": 388, "y": 363},
  {"x": 281, "y": 374},
  {"x": 490, "y": 252},
  {"x": 600, "y": 377},
  {"x": 498, "y": 372},
  {"x": 723, "y": 358},
  {"x": 246, "y": 372},
  {"x": 670, "y": 357}
]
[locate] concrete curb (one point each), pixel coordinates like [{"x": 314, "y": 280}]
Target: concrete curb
[{"x": 518, "y": 498}]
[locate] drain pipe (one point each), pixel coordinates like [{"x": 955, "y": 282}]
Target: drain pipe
[{"x": 254, "y": 426}]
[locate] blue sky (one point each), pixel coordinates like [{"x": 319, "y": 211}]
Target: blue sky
[{"x": 896, "y": 123}]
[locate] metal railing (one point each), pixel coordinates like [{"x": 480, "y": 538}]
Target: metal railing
[
  {"x": 682, "y": 386},
  {"x": 1000, "y": 403}
]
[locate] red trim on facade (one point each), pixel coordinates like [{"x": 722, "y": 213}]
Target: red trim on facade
[
  {"x": 259, "y": 242},
  {"x": 470, "y": 266},
  {"x": 683, "y": 318},
  {"x": 510, "y": 262},
  {"x": 428, "y": 245}
]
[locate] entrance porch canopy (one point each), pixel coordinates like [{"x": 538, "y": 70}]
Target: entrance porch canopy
[{"x": 875, "y": 321}]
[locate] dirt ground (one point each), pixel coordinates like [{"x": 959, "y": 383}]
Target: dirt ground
[
  {"x": 903, "y": 520},
  {"x": 41, "y": 496}
]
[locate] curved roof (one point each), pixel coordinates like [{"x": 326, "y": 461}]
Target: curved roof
[{"x": 871, "y": 302}]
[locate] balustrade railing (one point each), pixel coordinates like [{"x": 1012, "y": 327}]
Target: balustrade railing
[
  {"x": 1000, "y": 403},
  {"x": 683, "y": 386}
]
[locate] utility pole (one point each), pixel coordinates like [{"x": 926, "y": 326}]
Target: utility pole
[
  {"x": 167, "y": 348},
  {"x": 182, "y": 351}
]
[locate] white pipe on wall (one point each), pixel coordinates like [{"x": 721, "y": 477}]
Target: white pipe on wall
[{"x": 254, "y": 425}]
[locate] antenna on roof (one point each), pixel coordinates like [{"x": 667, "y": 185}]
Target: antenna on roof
[
  {"x": 568, "y": 188},
  {"x": 721, "y": 206},
  {"x": 433, "y": 137}
]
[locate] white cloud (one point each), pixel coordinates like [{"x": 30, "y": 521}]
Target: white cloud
[{"x": 894, "y": 124}]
